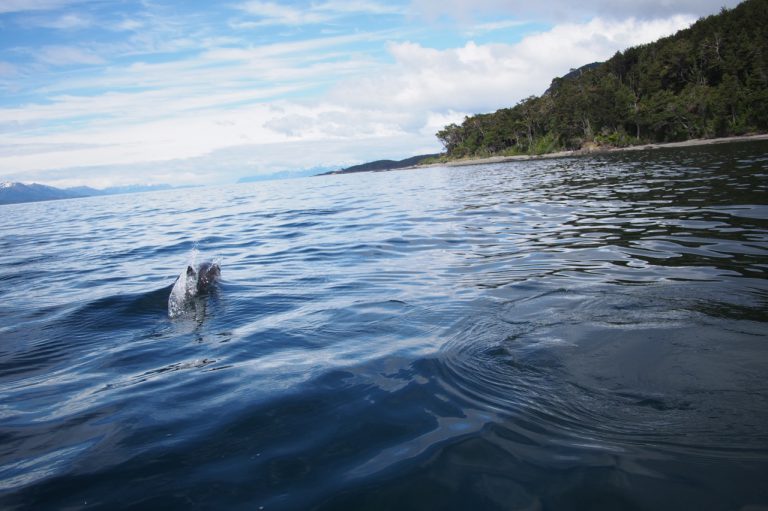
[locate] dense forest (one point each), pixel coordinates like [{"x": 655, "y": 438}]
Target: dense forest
[{"x": 709, "y": 80}]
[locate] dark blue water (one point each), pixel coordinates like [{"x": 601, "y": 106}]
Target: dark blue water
[{"x": 586, "y": 333}]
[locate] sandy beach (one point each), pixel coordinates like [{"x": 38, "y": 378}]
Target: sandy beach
[{"x": 596, "y": 150}]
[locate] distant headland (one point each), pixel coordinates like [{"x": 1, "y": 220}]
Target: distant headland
[{"x": 383, "y": 165}]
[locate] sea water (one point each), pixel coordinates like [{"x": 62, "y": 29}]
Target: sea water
[{"x": 576, "y": 333}]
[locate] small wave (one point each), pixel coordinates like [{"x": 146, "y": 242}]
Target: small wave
[
  {"x": 31, "y": 470},
  {"x": 64, "y": 334},
  {"x": 614, "y": 370}
]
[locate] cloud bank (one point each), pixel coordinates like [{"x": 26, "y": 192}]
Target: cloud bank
[
  {"x": 564, "y": 10},
  {"x": 189, "y": 101}
]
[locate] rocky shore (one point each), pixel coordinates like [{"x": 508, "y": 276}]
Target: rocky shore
[{"x": 594, "y": 150}]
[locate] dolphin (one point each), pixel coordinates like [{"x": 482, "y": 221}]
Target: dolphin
[
  {"x": 207, "y": 275},
  {"x": 191, "y": 283}
]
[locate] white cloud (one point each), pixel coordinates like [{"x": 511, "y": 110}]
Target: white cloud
[
  {"x": 561, "y": 10},
  {"x": 270, "y": 13},
  {"x": 7, "y": 6},
  {"x": 67, "y": 55},
  {"x": 69, "y": 21},
  {"x": 176, "y": 136},
  {"x": 7, "y": 69},
  {"x": 493, "y": 26},
  {"x": 462, "y": 10},
  {"x": 358, "y": 6},
  {"x": 128, "y": 25},
  {"x": 215, "y": 146},
  {"x": 304, "y": 47},
  {"x": 480, "y": 78},
  {"x": 135, "y": 107},
  {"x": 178, "y": 109},
  {"x": 331, "y": 121},
  {"x": 301, "y": 64},
  {"x": 275, "y": 14}
]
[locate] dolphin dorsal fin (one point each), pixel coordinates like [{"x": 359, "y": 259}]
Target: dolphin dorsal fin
[{"x": 190, "y": 271}]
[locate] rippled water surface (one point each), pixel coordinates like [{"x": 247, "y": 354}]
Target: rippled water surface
[{"x": 586, "y": 333}]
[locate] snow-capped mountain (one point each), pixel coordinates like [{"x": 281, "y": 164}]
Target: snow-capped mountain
[{"x": 13, "y": 193}]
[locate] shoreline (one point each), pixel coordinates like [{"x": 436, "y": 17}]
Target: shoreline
[{"x": 695, "y": 142}]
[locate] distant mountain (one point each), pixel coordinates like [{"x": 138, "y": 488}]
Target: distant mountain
[
  {"x": 380, "y": 165},
  {"x": 15, "y": 193}
]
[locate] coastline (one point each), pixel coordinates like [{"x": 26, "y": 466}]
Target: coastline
[{"x": 598, "y": 150}]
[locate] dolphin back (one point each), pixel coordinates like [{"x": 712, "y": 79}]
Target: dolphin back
[
  {"x": 207, "y": 274},
  {"x": 190, "y": 283}
]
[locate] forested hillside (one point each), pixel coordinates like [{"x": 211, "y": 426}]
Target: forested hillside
[
  {"x": 710, "y": 80},
  {"x": 379, "y": 165}
]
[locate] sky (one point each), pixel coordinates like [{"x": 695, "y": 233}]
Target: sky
[{"x": 194, "y": 92}]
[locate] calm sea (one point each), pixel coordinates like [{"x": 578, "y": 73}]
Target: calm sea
[{"x": 583, "y": 333}]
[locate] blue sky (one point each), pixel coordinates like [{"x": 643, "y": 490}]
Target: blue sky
[{"x": 102, "y": 93}]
